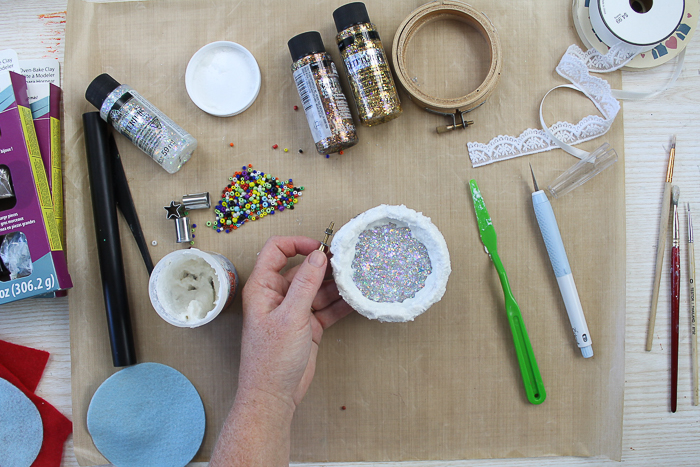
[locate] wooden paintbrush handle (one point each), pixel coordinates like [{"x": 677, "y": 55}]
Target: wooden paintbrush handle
[
  {"x": 660, "y": 248},
  {"x": 693, "y": 322}
]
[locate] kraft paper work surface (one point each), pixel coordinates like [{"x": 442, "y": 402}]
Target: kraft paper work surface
[{"x": 446, "y": 386}]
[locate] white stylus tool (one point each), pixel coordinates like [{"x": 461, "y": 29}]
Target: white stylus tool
[{"x": 562, "y": 270}]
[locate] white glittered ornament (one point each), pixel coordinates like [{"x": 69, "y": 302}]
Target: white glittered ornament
[{"x": 343, "y": 248}]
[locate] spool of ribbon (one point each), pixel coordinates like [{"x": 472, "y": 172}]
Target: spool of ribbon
[
  {"x": 452, "y": 107},
  {"x": 617, "y": 32},
  {"x": 636, "y": 25}
]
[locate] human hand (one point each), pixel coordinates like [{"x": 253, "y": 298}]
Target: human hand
[
  {"x": 284, "y": 316},
  {"x": 281, "y": 333}
]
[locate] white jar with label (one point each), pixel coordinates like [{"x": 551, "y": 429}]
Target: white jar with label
[{"x": 189, "y": 288}]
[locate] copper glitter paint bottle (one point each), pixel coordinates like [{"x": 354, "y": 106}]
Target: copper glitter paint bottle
[
  {"x": 367, "y": 67},
  {"x": 321, "y": 96}
]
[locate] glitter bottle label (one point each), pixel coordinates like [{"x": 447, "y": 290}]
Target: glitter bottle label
[
  {"x": 365, "y": 59},
  {"x": 311, "y": 101},
  {"x": 325, "y": 105},
  {"x": 165, "y": 120},
  {"x": 343, "y": 108},
  {"x": 148, "y": 128},
  {"x": 368, "y": 71},
  {"x": 139, "y": 125}
]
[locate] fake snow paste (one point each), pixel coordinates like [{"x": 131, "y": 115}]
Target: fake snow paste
[{"x": 189, "y": 289}]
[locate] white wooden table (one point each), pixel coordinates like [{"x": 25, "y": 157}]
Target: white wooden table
[{"x": 652, "y": 435}]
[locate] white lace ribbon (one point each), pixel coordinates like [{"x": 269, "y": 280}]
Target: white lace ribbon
[
  {"x": 562, "y": 134},
  {"x": 575, "y": 66}
]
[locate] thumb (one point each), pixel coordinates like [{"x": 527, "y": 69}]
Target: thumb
[{"x": 307, "y": 281}]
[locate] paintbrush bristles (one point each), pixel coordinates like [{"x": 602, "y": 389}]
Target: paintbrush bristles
[
  {"x": 675, "y": 194},
  {"x": 690, "y": 226},
  {"x": 671, "y": 159}
]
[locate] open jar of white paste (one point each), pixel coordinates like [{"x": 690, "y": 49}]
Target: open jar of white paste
[{"x": 189, "y": 288}]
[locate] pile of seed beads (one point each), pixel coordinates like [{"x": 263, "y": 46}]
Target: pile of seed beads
[{"x": 250, "y": 196}]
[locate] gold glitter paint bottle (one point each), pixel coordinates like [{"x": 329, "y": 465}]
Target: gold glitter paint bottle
[
  {"x": 367, "y": 67},
  {"x": 324, "y": 103}
]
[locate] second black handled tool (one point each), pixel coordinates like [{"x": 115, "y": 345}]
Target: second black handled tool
[{"x": 109, "y": 251}]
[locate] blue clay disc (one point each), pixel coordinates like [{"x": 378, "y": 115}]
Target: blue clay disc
[
  {"x": 147, "y": 414},
  {"x": 21, "y": 430}
]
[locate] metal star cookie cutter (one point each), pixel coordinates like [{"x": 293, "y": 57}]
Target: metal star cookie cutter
[{"x": 174, "y": 210}]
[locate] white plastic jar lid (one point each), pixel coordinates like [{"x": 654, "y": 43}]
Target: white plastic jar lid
[{"x": 223, "y": 78}]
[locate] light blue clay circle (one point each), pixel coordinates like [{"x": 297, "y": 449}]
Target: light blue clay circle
[
  {"x": 147, "y": 414},
  {"x": 21, "y": 430}
]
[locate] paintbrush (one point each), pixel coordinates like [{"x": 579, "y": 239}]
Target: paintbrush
[
  {"x": 693, "y": 323},
  {"x": 675, "y": 295},
  {"x": 661, "y": 245}
]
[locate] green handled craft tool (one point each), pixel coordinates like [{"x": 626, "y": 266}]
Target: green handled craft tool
[{"x": 534, "y": 388}]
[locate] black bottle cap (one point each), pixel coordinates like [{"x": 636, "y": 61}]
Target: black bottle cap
[
  {"x": 100, "y": 88},
  {"x": 305, "y": 44},
  {"x": 350, "y": 15}
]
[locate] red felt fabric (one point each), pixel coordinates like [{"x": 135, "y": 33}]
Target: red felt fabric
[
  {"x": 56, "y": 426},
  {"x": 25, "y": 363}
]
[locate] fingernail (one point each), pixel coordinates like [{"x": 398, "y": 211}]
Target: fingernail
[{"x": 317, "y": 258}]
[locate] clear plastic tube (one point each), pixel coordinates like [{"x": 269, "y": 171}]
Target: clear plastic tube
[{"x": 583, "y": 170}]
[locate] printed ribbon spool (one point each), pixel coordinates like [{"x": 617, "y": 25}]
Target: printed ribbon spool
[
  {"x": 662, "y": 53},
  {"x": 450, "y": 107},
  {"x": 630, "y": 27}
]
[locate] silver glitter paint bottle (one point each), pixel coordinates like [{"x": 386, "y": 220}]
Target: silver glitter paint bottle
[
  {"x": 324, "y": 103},
  {"x": 141, "y": 122}
]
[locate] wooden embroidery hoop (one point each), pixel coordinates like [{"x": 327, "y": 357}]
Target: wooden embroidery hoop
[{"x": 454, "y": 108}]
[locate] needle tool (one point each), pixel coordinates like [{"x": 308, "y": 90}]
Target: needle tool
[
  {"x": 693, "y": 321},
  {"x": 675, "y": 296},
  {"x": 661, "y": 245},
  {"x": 562, "y": 270},
  {"x": 530, "y": 372}
]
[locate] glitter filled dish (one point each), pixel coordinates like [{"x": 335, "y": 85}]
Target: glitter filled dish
[{"x": 390, "y": 263}]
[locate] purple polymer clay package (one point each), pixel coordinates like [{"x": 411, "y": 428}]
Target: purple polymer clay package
[{"x": 32, "y": 261}]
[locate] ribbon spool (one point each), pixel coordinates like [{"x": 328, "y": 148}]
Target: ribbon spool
[
  {"x": 648, "y": 45},
  {"x": 455, "y": 108},
  {"x": 637, "y": 25}
]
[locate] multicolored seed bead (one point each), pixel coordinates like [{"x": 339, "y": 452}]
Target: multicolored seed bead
[{"x": 250, "y": 196}]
